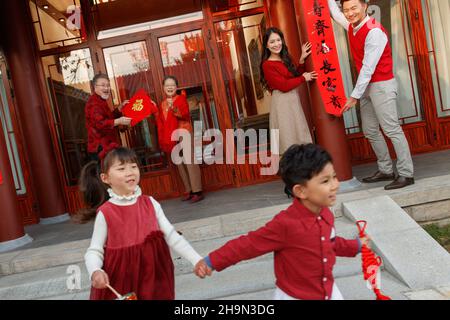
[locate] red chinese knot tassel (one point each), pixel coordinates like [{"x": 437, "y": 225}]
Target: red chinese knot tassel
[{"x": 370, "y": 263}]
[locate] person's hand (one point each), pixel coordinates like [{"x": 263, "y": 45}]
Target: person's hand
[
  {"x": 351, "y": 102},
  {"x": 365, "y": 241},
  {"x": 306, "y": 51},
  {"x": 310, "y": 76},
  {"x": 122, "y": 121},
  {"x": 202, "y": 270},
  {"x": 125, "y": 102},
  {"x": 99, "y": 279}
]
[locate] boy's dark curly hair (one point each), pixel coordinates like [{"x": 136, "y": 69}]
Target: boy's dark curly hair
[{"x": 301, "y": 163}]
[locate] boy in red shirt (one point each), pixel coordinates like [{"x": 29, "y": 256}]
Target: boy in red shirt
[{"x": 302, "y": 237}]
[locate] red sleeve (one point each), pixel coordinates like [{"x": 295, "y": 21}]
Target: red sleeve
[
  {"x": 116, "y": 113},
  {"x": 346, "y": 248},
  {"x": 301, "y": 68},
  {"x": 277, "y": 81},
  {"x": 269, "y": 238},
  {"x": 183, "y": 108},
  {"x": 99, "y": 120}
]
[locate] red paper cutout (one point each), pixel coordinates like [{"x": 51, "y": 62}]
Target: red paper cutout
[{"x": 139, "y": 107}]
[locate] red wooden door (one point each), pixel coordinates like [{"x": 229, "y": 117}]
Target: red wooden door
[
  {"x": 184, "y": 52},
  {"x": 17, "y": 155}
]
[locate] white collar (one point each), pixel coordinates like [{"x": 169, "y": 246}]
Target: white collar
[
  {"x": 124, "y": 200},
  {"x": 356, "y": 29}
]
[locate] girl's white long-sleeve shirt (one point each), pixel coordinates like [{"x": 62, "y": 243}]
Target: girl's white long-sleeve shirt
[{"x": 95, "y": 253}]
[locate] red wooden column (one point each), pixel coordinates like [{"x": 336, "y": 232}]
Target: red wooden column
[
  {"x": 330, "y": 130},
  {"x": 11, "y": 227},
  {"x": 18, "y": 46},
  {"x": 282, "y": 16}
]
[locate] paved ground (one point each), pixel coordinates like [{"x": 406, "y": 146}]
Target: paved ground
[{"x": 229, "y": 201}]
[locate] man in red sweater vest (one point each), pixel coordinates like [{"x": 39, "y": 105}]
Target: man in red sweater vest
[{"x": 376, "y": 88}]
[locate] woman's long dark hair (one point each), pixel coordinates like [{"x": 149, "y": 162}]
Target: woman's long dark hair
[
  {"x": 284, "y": 55},
  {"x": 91, "y": 186}
]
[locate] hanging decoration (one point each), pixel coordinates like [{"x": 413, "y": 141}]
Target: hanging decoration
[
  {"x": 371, "y": 263},
  {"x": 324, "y": 55}
]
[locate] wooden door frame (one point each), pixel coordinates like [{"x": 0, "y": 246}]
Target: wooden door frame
[
  {"x": 27, "y": 203},
  {"x": 424, "y": 74},
  {"x": 217, "y": 86}
]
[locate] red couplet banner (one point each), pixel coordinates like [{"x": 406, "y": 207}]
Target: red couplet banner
[{"x": 324, "y": 55}]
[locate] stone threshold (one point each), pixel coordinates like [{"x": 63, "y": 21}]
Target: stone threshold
[{"x": 425, "y": 191}]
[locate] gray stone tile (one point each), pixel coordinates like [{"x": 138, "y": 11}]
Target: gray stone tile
[{"x": 408, "y": 252}]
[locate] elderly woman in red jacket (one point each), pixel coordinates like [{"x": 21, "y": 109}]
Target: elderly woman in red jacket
[
  {"x": 101, "y": 122},
  {"x": 174, "y": 114}
]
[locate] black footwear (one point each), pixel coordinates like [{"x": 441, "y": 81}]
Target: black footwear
[
  {"x": 399, "y": 183},
  {"x": 379, "y": 176}
]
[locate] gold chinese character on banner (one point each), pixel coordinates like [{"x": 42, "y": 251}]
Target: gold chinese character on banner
[{"x": 138, "y": 105}]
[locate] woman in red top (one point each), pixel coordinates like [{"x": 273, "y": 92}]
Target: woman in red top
[
  {"x": 173, "y": 115},
  {"x": 101, "y": 122},
  {"x": 282, "y": 78}
]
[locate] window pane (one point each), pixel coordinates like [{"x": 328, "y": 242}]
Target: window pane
[
  {"x": 240, "y": 46},
  {"x": 436, "y": 14},
  {"x": 10, "y": 138},
  {"x": 57, "y": 23},
  {"x": 128, "y": 69},
  {"x": 408, "y": 100},
  {"x": 235, "y": 5},
  {"x": 350, "y": 117},
  {"x": 68, "y": 79}
]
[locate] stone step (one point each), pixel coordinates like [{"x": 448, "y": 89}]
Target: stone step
[
  {"x": 204, "y": 234},
  {"x": 408, "y": 251},
  {"x": 52, "y": 282},
  {"x": 242, "y": 278},
  {"x": 247, "y": 281},
  {"x": 42, "y": 283},
  {"x": 425, "y": 191},
  {"x": 188, "y": 286},
  {"x": 208, "y": 229},
  {"x": 352, "y": 288}
]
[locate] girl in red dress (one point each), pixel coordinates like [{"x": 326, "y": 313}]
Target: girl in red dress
[{"x": 130, "y": 244}]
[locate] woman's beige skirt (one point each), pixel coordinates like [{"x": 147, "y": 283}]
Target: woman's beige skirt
[{"x": 286, "y": 115}]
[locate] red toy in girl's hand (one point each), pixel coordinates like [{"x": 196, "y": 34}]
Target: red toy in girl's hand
[
  {"x": 139, "y": 107},
  {"x": 128, "y": 296}
]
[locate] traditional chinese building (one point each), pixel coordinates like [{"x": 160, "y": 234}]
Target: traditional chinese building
[{"x": 51, "y": 49}]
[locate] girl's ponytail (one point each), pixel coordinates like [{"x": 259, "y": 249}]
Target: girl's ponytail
[{"x": 93, "y": 190}]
